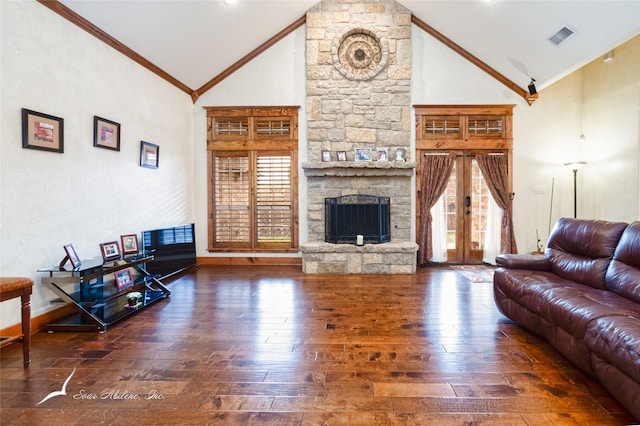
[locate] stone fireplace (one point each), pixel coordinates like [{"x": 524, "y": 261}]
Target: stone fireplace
[{"x": 358, "y": 69}]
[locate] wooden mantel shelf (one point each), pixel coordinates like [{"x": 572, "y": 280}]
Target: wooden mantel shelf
[{"x": 358, "y": 168}]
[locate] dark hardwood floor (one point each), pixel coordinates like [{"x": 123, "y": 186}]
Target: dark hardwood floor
[{"x": 269, "y": 345}]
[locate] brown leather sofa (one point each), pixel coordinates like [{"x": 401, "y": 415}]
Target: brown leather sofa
[{"x": 583, "y": 296}]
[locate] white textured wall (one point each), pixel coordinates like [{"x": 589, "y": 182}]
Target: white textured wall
[
  {"x": 86, "y": 195},
  {"x": 277, "y": 77}
]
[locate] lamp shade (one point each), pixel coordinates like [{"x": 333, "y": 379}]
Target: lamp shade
[{"x": 575, "y": 165}]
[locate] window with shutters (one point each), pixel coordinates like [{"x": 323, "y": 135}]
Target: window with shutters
[
  {"x": 252, "y": 157},
  {"x": 463, "y": 126}
]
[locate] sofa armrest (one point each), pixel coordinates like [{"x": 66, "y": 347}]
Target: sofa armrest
[{"x": 537, "y": 262}]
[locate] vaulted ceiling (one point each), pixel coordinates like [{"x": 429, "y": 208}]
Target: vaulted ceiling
[{"x": 194, "y": 41}]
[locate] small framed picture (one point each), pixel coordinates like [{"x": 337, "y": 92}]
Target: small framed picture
[
  {"x": 149, "y": 155},
  {"x": 106, "y": 133},
  {"x": 326, "y": 155},
  {"x": 71, "y": 256},
  {"x": 383, "y": 154},
  {"x": 400, "y": 155},
  {"x": 42, "y": 131},
  {"x": 124, "y": 279},
  {"x": 129, "y": 244},
  {"x": 342, "y": 156},
  {"x": 363, "y": 154},
  {"x": 110, "y": 251}
]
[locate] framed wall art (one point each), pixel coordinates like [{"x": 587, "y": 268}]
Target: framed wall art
[
  {"x": 110, "y": 251},
  {"x": 129, "y": 244},
  {"x": 326, "y": 155},
  {"x": 106, "y": 133},
  {"x": 342, "y": 155},
  {"x": 149, "y": 155},
  {"x": 42, "y": 131}
]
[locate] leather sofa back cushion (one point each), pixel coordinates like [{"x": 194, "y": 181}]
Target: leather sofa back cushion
[
  {"x": 580, "y": 250},
  {"x": 623, "y": 275}
]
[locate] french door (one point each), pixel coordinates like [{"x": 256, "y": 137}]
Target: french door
[
  {"x": 466, "y": 201},
  {"x": 466, "y": 130}
]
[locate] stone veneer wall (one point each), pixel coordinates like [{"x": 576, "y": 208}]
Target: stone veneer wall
[{"x": 345, "y": 112}]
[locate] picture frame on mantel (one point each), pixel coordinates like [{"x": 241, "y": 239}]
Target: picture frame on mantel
[
  {"x": 363, "y": 154},
  {"x": 400, "y": 155},
  {"x": 149, "y": 155},
  {"x": 106, "y": 133},
  {"x": 326, "y": 155},
  {"x": 383, "y": 154},
  {"x": 342, "y": 155},
  {"x": 42, "y": 131}
]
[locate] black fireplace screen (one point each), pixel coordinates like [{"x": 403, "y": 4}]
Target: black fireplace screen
[{"x": 351, "y": 215}]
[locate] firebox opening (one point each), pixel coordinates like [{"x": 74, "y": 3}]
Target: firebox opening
[{"x": 351, "y": 215}]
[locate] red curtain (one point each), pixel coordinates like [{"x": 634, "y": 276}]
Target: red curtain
[{"x": 435, "y": 170}]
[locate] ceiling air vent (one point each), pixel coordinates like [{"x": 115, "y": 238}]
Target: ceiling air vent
[{"x": 562, "y": 35}]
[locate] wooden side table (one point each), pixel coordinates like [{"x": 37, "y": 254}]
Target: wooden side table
[{"x": 12, "y": 287}]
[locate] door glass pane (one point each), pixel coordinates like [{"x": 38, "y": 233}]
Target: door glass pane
[
  {"x": 479, "y": 204},
  {"x": 450, "y": 209}
]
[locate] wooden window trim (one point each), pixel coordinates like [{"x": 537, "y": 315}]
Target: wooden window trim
[
  {"x": 463, "y": 139},
  {"x": 253, "y": 143}
]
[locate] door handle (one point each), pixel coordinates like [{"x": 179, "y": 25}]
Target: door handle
[{"x": 467, "y": 204}]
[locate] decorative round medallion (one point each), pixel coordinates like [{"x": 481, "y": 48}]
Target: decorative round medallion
[{"x": 360, "y": 54}]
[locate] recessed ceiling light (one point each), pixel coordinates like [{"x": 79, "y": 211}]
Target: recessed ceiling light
[{"x": 229, "y": 1}]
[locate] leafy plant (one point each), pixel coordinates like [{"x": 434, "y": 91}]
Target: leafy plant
[{"x": 133, "y": 295}]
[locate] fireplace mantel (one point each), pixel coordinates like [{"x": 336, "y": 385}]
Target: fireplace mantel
[{"x": 358, "y": 168}]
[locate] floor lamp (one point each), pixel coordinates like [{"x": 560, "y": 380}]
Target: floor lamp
[{"x": 575, "y": 166}]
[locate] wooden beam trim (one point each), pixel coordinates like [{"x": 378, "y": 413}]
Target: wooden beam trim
[
  {"x": 250, "y": 56},
  {"x": 81, "y": 22},
  {"x": 471, "y": 58}
]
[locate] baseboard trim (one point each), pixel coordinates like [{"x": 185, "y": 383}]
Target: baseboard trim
[
  {"x": 38, "y": 323},
  {"x": 249, "y": 261}
]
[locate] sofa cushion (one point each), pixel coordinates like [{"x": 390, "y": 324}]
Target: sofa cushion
[
  {"x": 581, "y": 250},
  {"x": 565, "y": 303},
  {"x": 616, "y": 339},
  {"x": 623, "y": 275},
  {"x": 526, "y": 286},
  {"x": 536, "y": 262},
  {"x": 575, "y": 307}
]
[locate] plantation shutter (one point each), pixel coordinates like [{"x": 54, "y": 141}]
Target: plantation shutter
[
  {"x": 274, "y": 198},
  {"x": 232, "y": 208},
  {"x": 442, "y": 127},
  {"x": 485, "y": 127},
  {"x": 252, "y": 180}
]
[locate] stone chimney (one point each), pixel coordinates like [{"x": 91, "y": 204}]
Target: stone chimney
[{"x": 358, "y": 65}]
